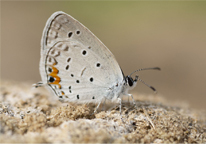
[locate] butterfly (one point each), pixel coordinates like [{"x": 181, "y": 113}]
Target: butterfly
[{"x": 77, "y": 67}]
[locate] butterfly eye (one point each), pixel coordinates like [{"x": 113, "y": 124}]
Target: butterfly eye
[{"x": 130, "y": 81}]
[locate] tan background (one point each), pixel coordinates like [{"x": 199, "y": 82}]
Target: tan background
[{"x": 171, "y": 35}]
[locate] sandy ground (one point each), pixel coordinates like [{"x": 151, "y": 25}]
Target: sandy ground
[{"x": 33, "y": 115}]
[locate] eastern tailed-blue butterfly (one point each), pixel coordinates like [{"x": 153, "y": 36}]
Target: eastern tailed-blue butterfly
[{"x": 77, "y": 67}]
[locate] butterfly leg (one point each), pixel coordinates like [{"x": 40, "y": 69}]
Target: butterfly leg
[
  {"x": 120, "y": 105},
  {"x": 132, "y": 99},
  {"x": 103, "y": 107},
  {"x": 128, "y": 99},
  {"x": 120, "y": 109},
  {"x": 96, "y": 108}
]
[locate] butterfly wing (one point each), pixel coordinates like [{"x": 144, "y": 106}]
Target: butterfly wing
[{"x": 74, "y": 63}]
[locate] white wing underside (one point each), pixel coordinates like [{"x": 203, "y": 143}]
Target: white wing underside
[{"x": 82, "y": 67}]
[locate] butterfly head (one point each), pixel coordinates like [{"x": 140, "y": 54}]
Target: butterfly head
[{"x": 130, "y": 82}]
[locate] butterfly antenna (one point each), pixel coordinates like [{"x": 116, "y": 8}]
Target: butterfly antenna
[
  {"x": 147, "y": 85},
  {"x": 152, "y": 68}
]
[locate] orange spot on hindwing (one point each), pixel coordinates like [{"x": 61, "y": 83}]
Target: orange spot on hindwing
[{"x": 53, "y": 74}]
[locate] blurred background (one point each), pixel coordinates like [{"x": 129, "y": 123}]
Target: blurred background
[{"x": 171, "y": 35}]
